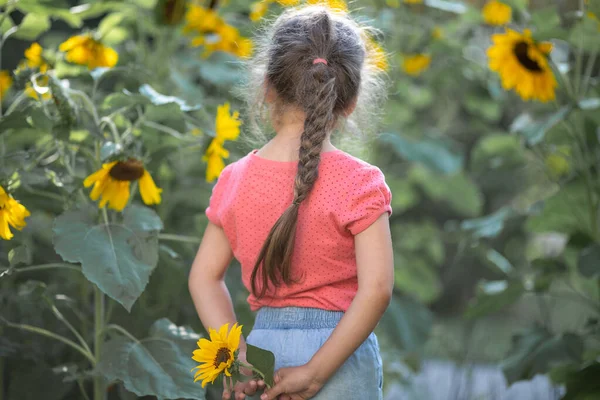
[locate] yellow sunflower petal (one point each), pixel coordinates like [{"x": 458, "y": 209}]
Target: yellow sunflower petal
[{"x": 150, "y": 193}]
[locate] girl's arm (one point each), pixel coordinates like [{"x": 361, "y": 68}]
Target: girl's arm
[
  {"x": 207, "y": 281},
  {"x": 375, "y": 269}
]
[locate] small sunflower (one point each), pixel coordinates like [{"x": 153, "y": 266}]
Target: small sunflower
[
  {"x": 336, "y": 5},
  {"x": 413, "y": 1},
  {"x": 6, "y": 82},
  {"x": 218, "y": 354},
  {"x": 201, "y": 20},
  {"x": 288, "y": 3},
  {"x": 34, "y": 58},
  {"x": 227, "y": 127},
  {"x": 496, "y": 13},
  {"x": 376, "y": 55},
  {"x": 41, "y": 83},
  {"x": 522, "y": 65},
  {"x": 259, "y": 9},
  {"x": 85, "y": 50},
  {"x": 12, "y": 213},
  {"x": 415, "y": 64},
  {"x": 113, "y": 180}
]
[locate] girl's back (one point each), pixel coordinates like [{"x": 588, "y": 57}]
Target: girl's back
[{"x": 349, "y": 195}]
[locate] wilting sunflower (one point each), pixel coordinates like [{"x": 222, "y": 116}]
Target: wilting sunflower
[
  {"x": 5, "y": 82},
  {"x": 522, "y": 65},
  {"x": 85, "y": 50},
  {"x": 218, "y": 354},
  {"x": 496, "y": 13},
  {"x": 113, "y": 180},
  {"x": 12, "y": 213},
  {"x": 415, "y": 64}
]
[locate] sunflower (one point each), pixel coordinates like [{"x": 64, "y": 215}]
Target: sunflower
[
  {"x": 42, "y": 83},
  {"x": 259, "y": 9},
  {"x": 12, "y": 213},
  {"x": 113, "y": 180},
  {"x": 288, "y": 3},
  {"x": 218, "y": 354},
  {"x": 34, "y": 59},
  {"x": 496, "y": 13},
  {"x": 336, "y": 5},
  {"x": 522, "y": 65},
  {"x": 413, "y": 1},
  {"x": 377, "y": 55},
  {"x": 227, "y": 127},
  {"x": 437, "y": 33},
  {"x": 201, "y": 20},
  {"x": 85, "y": 50},
  {"x": 5, "y": 82},
  {"x": 415, "y": 64}
]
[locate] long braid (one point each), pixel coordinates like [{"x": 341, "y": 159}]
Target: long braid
[{"x": 322, "y": 91}]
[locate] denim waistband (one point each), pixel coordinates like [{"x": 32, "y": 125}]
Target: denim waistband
[{"x": 296, "y": 318}]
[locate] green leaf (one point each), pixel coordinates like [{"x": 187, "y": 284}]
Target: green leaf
[
  {"x": 535, "y": 130},
  {"x": 110, "y": 22},
  {"x": 91, "y": 10},
  {"x": 154, "y": 366},
  {"x": 497, "y": 151},
  {"x": 434, "y": 155},
  {"x": 160, "y": 99},
  {"x": 404, "y": 196},
  {"x": 114, "y": 101},
  {"x": 263, "y": 360},
  {"x": 32, "y": 26},
  {"x": 118, "y": 257},
  {"x": 408, "y": 322},
  {"x": 183, "y": 336},
  {"x": 589, "y": 261},
  {"x": 536, "y": 351},
  {"x": 565, "y": 212},
  {"x": 458, "y": 191},
  {"x": 109, "y": 149},
  {"x": 14, "y": 120},
  {"x": 417, "y": 277},
  {"x": 7, "y": 24},
  {"x": 493, "y": 297},
  {"x": 547, "y": 24},
  {"x": 583, "y": 384},
  {"x": 34, "y": 7},
  {"x": 19, "y": 255},
  {"x": 40, "y": 120},
  {"x": 584, "y": 35}
]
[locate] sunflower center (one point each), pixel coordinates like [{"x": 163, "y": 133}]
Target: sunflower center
[
  {"x": 130, "y": 170},
  {"x": 521, "y": 51},
  {"x": 223, "y": 355}
]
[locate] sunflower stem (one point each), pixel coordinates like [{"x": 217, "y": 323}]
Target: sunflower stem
[
  {"x": 65, "y": 321},
  {"x": 99, "y": 392},
  {"x": 52, "y": 335},
  {"x": 588, "y": 72},
  {"x": 178, "y": 238},
  {"x": 42, "y": 267}
]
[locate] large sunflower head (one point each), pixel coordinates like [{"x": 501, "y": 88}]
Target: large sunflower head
[
  {"x": 112, "y": 182},
  {"x": 523, "y": 65},
  {"x": 216, "y": 355},
  {"x": 12, "y": 213}
]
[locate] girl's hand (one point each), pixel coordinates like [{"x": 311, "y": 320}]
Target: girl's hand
[
  {"x": 294, "y": 383},
  {"x": 241, "y": 389}
]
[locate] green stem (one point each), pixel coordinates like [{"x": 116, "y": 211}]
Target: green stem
[
  {"x": 121, "y": 330},
  {"x": 43, "y": 193},
  {"x": 16, "y": 102},
  {"x": 81, "y": 389},
  {"x": 53, "y": 335},
  {"x": 250, "y": 367},
  {"x": 178, "y": 238},
  {"x": 41, "y": 267},
  {"x": 99, "y": 392},
  {"x": 62, "y": 318}
]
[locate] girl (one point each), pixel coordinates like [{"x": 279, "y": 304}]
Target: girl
[{"x": 307, "y": 222}]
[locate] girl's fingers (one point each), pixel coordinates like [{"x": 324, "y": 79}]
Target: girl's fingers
[
  {"x": 261, "y": 384},
  {"x": 226, "y": 394},
  {"x": 250, "y": 388},
  {"x": 240, "y": 396}
]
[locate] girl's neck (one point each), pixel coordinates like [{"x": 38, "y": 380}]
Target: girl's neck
[{"x": 286, "y": 143}]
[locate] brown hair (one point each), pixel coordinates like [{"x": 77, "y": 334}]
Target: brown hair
[{"x": 324, "y": 91}]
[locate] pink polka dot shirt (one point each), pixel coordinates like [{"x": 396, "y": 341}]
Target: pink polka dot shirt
[{"x": 348, "y": 196}]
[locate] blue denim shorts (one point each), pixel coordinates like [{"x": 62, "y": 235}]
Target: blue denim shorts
[{"x": 294, "y": 335}]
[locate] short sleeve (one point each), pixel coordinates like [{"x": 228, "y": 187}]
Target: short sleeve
[
  {"x": 213, "y": 211},
  {"x": 369, "y": 198}
]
